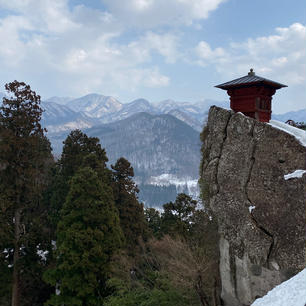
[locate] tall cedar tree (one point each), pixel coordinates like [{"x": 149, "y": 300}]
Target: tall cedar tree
[
  {"x": 131, "y": 213},
  {"x": 88, "y": 234},
  {"x": 77, "y": 146},
  {"x": 25, "y": 155}
]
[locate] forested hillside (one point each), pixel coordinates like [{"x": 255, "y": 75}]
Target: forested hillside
[{"x": 156, "y": 145}]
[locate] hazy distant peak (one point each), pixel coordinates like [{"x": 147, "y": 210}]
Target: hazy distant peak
[
  {"x": 59, "y": 100},
  {"x": 95, "y": 105},
  {"x": 140, "y": 101}
]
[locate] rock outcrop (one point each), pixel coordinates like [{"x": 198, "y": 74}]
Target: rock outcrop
[{"x": 261, "y": 216}]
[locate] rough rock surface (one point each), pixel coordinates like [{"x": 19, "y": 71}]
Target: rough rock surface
[{"x": 261, "y": 216}]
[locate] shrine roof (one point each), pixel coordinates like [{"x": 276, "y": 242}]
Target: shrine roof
[{"x": 250, "y": 79}]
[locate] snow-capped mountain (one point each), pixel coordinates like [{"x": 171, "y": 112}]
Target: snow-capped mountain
[
  {"x": 191, "y": 113},
  {"x": 137, "y": 106},
  {"x": 59, "y": 100},
  {"x": 129, "y": 109},
  {"x": 167, "y": 105},
  {"x": 185, "y": 117},
  {"x": 95, "y": 106},
  {"x": 58, "y": 118},
  {"x": 108, "y": 109}
]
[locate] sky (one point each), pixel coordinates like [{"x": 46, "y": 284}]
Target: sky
[{"x": 153, "y": 49}]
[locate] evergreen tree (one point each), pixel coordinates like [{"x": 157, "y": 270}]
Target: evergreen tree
[
  {"x": 25, "y": 156},
  {"x": 88, "y": 234},
  {"x": 130, "y": 210},
  {"x": 177, "y": 216},
  {"x": 77, "y": 146}
]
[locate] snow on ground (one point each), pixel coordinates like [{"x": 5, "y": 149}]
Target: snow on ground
[
  {"x": 299, "y": 134},
  {"x": 295, "y": 174},
  {"x": 181, "y": 184},
  {"x": 167, "y": 179},
  {"x": 290, "y": 293}
]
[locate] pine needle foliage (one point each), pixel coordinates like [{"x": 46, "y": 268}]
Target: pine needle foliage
[
  {"x": 88, "y": 234},
  {"x": 131, "y": 212},
  {"x": 25, "y": 157}
]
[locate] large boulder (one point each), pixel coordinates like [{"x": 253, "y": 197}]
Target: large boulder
[{"x": 260, "y": 214}]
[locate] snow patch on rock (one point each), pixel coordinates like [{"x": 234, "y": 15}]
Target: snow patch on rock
[
  {"x": 251, "y": 208},
  {"x": 295, "y": 174},
  {"x": 289, "y": 293},
  {"x": 299, "y": 134}
]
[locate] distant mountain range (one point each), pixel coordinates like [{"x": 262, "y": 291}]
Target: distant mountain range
[
  {"x": 297, "y": 116},
  {"x": 93, "y": 109},
  {"x": 64, "y": 113},
  {"x": 161, "y": 140},
  {"x": 154, "y": 144},
  {"x": 163, "y": 150}
]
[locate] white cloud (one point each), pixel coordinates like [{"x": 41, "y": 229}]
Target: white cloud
[
  {"x": 152, "y": 13},
  {"x": 11, "y": 38},
  {"x": 208, "y": 55},
  {"x": 154, "y": 79},
  {"x": 75, "y": 49},
  {"x": 46, "y": 16},
  {"x": 280, "y": 57},
  {"x": 72, "y": 50},
  {"x": 166, "y": 45}
]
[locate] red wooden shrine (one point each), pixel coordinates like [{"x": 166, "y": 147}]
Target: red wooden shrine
[{"x": 252, "y": 95}]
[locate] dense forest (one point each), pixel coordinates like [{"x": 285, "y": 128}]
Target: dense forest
[{"x": 73, "y": 231}]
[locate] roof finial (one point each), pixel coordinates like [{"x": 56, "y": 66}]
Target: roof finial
[{"x": 251, "y": 73}]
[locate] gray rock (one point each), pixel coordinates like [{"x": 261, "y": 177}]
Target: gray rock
[{"x": 261, "y": 216}]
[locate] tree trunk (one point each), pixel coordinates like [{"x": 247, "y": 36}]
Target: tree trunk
[
  {"x": 15, "y": 289},
  {"x": 200, "y": 292}
]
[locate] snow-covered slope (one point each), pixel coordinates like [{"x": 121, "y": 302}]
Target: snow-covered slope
[
  {"x": 193, "y": 114},
  {"x": 167, "y": 105},
  {"x": 129, "y": 109},
  {"x": 58, "y": 118},
  {"x": 94, "y": 105},
  {"x": 181, "y": 115},
  {"x": 299, "y": 134},
  {"x": 290, "y": 293},
  {"x": 59, "y": 100}
]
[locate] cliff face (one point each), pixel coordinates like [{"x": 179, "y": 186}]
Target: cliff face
[{"x": 261, "y": 216}]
